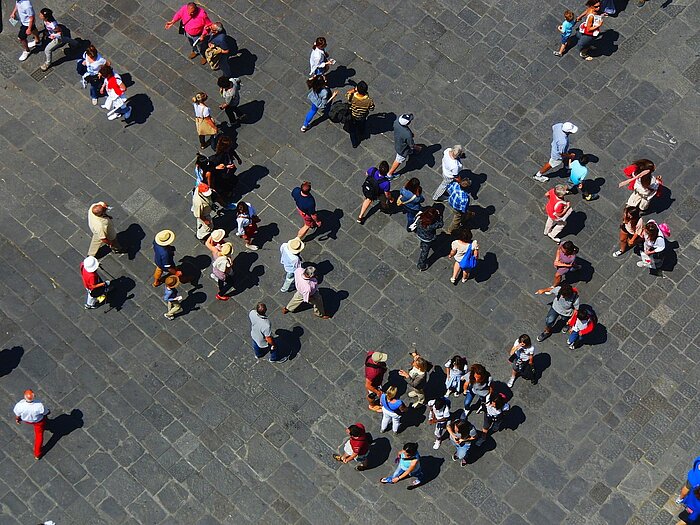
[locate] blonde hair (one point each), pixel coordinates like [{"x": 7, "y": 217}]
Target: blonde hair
[
  {"x": 200, "y": 97},
  {"x": 391, "y": 393}
]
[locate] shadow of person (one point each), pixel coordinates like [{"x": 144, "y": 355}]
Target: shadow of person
[
  {"x": 141, "y": 108},
  {"x": 481, "y": 220},
  {"x": 477, "y": 180},
  {"x": 435, "y": 385},
  {"x": 541, "y": 362},
  {"x": 440, "y": 247},
  {"x": 394, "y": 379},
  {"x": 378, "y": 123},
  {"x": 661, "y": 202},
  {"x": 70, "y": 53},
  {"x": 594, "y": 186},
  {"x": 243, "y": 63},
  {"x": 323, "y": 268},
  {"x": 574, "y": 224},
  {"x": 192, "y": 268},
  {"x": 330, "y": 224},
  {"x": 119, "y": 292},
  {"x": 486, "y": 267},
  {"x": 583, "y": 274},
  {"x": 61, "y": 426},
  {"x": 430, "y": 465},
  {"x": 265, "y": 234},
  {"x": 9, "y": 359},
  {"x": 289, "y": 341},
  {"x": 418, "y": 161},
  {"x": 248, "y": 180},
  {"x": 670, "y": 256},
  {"x": 332, "y": 300},
  {"x": 338, "y": 77},
  {"x": 476, "y": 452},
  {"x": 379, "y": 451},
  {"x": 191, "y": 301},
  {"x": 513, "y": 418},
  {"x": 605, "y": 44},
  {"x": 131, "y": 239},
  {"x": 412, "y": 417},
  {"x": 244, "y": 274},
  {"x": 252, "y": 110}
]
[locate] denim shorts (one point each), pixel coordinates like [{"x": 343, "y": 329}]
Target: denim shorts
[{"x": 564, "y": 39}]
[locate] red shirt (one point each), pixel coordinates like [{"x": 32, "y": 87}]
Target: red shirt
[
  {"x": 360, "y": 445},
  {"x": 90, "y": 279},
  {"x": 555, "y": 206},
  {"x": 374, "y": 371}
]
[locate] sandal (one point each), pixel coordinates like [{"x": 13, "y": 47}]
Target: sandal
[{"x": 337, "y": 457}]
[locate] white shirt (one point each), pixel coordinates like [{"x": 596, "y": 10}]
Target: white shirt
[
  {"x": 24, "y": 11},
  {"x": 244, "y": 221},
  {"x": 30, "y": 412},
  {"x": 658, "y": 245},
  {"x": 441, "y": 413},
  {"x": 289, "y": 260},
  {"x": 525, "y": 353},
  {"x": 317, "y": 58},
  {"x": 450, "y": 167},
  {"x": 201, "y": 111},
  {"x": 579, "y": 325}
]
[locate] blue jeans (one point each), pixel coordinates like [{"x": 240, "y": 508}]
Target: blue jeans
[
  {"x": 461, "y": 450},
  {"x": 574, "y": 337},
  {"x": 423, "y": 256},
  {"x": 312, "y": 112},
  {"x": 584, "y": 42},
  {"x": 288, "y": 284},
  {"x": 93, "y": 81},
  {"x": 417, "y": 473},
  {"x": 552, "y": 318},
  {"x": 469, "y": 397},
  {"x": 260, "y": 352}
]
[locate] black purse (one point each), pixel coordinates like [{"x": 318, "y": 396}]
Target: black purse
[{"x": 181, "y": 28}]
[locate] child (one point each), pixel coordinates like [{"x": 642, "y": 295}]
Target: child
[
  {"x": 565, "y": 29},
  {"x": 247, "y": 222},
  {"x": 579, "y": 171},
  {"x": 439, "y": 416},
  {"x": 522, "y": 359},
  {"x": 171, "y": 297},
  {"x": 455, "y": 370},
  {"x": 580, "y": 324},
  {"x": 496, "y": 406}
]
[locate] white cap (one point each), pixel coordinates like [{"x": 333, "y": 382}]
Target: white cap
[
  {"x": 568, "y": 127},
  {"x": 405, "y": 119}
]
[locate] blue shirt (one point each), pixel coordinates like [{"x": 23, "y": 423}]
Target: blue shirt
[
  {"x": 578, "y": 172},
  {"x": 566, "y": 28},
  {"x": 169, "y": 294},
  {"x": 220, "y": 40},
  {"x": 459, "y": 199},
  {"x": 163, "y": 256},
  {"x": 383, "y": 182},
  {"x": 560, "y": 142},
  {"x": 305, "y": 203},
  {"x": 414, "y": 205},
  {"x": 692, "y": 505}
]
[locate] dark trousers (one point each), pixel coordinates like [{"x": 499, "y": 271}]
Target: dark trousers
[
  {"x": 93, "y": 80},
  {"x": 423, "y": 257},
  {"x": 232, "y": 113},
  {"x": 224, "y": 284},
  {"x": 357, "y": 129}
]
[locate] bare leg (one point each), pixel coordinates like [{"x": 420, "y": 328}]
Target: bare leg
[
  {"x": 455, "y": 271},
  {"x": 546, "y": 167},
  {"x": 365, "y": 204},
  {"x": 393, "y": 168},
  {"x": 303, "y": 231}
]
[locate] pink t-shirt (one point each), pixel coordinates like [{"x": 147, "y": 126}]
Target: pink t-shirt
[{"x": 194, "y": 26}]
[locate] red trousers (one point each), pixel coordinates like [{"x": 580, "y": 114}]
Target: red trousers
[{"x": 38, "y": 435}]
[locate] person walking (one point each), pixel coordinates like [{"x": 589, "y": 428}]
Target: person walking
[
  {"x": 102, "y": 228},
  {"x": 577, "y": 178},
  {"x": 164, "y": 256},
  {"x": 455, "y": 370},
  {"x": 416, "y": 377},
  {"x": 566, "y": 28},
  {"x": 115, "y": 89},
  {"x": 376, "y": 186},
  {"x": 558, "y": 210},
  {"x": 222, "y": 269},
  {"x": 653, "y": 249},
  {"x": 261, "y": 334},
  {"x": 360, "y": 106},
  {"x": 404, "y": 145},
  {"x": 193, "y": 23},
  {"x": 33, "y": 412},
  {"x": 319, "y": 61},
  {"x": 247, "y": 224},
  {"x": 566, "y": 302},
  {"x": 564, "y": 262},
  {"x": 356, "y": 448},
  {"x": 428, "y": 222},
  {"x": 206, "y": 127},
  {"x": 522, "y": 358},
  {"x": 392, "y": 408},
  {"x": 171, "y": 297},
  {"x": 691, "y": 502},
  {"x": 635, "y": 170},
  {"x": 590, "y": 28},
  {"x": 408, "y": 461},
  {"x": 463, "y": 435},
  {"x": 57, "y": 34},
  {"x": 375, "y": 368},
  {"x": 631, "y": 230},
  {"x": 476, "y": 387},
  {"x": 410, "y": 199},
  {"x": 463, "y": 246},
  {"x": 451, "y": 167},
  {"x": 202, "y": 205},
  {"x": 230, "y": 91},
  {"x": 306, "y": 206},
  {"x": 24, "y": 12},
  {"x": 290, "y": 261},
  {"x": 439, "y": 415},
  {"x": 220, "y": 48},
  {"x": 320, "y": 98},
  {"x": 644, "y": 190},
  {"x": 495, "y": 408},
  {"x": 89, "y": 68},
  {"x": 581, "y": 324},
  {"x": 214, "y": 242},
  {"x": 560, "y": 149},
  {"x": 306, "y": 292},
  {"x": 94, "y": 285},
  {"x": 458, "y": 200},
  {"x": 692, "y": 481}
]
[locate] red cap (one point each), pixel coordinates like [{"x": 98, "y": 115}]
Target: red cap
[
  {"x": 204, "y": 189},
  {"x": 29, "y": 395}
]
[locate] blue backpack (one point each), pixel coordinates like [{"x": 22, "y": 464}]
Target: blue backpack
[{"x": 469, "y": 261}]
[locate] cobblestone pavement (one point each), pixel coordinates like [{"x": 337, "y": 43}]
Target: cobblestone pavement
[{"x": 177, "y": 423}]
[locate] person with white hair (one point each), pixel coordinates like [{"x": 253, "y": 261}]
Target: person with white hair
[{"x": 451, "y": 166}]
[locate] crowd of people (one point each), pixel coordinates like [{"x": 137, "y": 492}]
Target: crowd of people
[{"x": 214, "y": 195}]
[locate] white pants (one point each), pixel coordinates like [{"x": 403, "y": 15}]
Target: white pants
[{"x": 390, "y": 417}]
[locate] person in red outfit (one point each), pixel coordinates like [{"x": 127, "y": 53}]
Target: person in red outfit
[
  {"x": 357, "y": 447},
  {"x": 33, "y": 412},
  {"x": 375, "y": 368},
  {"x": 93, "y": 283}
]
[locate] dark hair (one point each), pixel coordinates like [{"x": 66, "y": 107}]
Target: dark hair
[
  {"x": 591, "y": 3},
  {"x": 465, "y": 235},
  {"x": 440, "y": 403},
  {"x": 429, "y": 216},
  {"x": 362, "y": 87},
  {"x": 242, "y": 207},
  {"x": 585, "y": 159},
  {"x": 224, "y": 144},
  {"x": 464, "y": 183},
  {"x": 202, "y": 162},
  {"x": 525, "y": 339},
  {"x": 91, "y": 51},
  {"x": 383, "y": 167},
  {"x": 356, "y": 431},
  {"x": 569, "y": 248},
  {"x": 499, "y": 401},
  {"x": 630, "y": 214},
  {"x": 463, "y": 427},
  {"x": 261, "y": 308},
  {"x": 644, "y": 164},
  {"x": 316, "y": 84},
  {"x": 645, "y": 181},
  {"x": 411, "y": 448},
  {"x": 652, "y": 231},
  {"x": 480, "y": 369},
  {"x": 47, "y": 14},
  {"x": 412, "y": 185},
  {"x": 457, "y": 361},
  {"x": 191, "y": 4},
  {"x": 583, "y": 314},
  {"x": 106, "y": 71},
  {"x": 566, "y": 291},
  {"x": 224, "y": 82},
  {"x": 319, "y": 42}
]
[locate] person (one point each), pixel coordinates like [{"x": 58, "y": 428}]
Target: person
[
  {"x": 261, "y": 334},
  {"x": 439, "y": 415},
  {"x": 459, "y": 248},
  {"x": 565, "y": 303},
  {"x": 57, "y": 34},
  {"x": 558, "y": 210},
  {"x": 692, "y": 481},
  {"x": 306, "y": 292},
  {"x": 247, "y": 224},
  {"x": 375, "y": 368},
  {"x": 194, "y": 20},
  {"x": 171, "y": 297},
  {"x": 320, "y": 98},
  {"x": 560, "y": 149},
  {"x": 102, "y": 228},
  {"x": 522, "y": 357},
  {"x": 404, "y": 145},
  {"x": 476, "y": 387},
  {"x": 33, "y": 412},
  {"x": 652, "y": 253},
  {"x": 416, "y": 377},
  {"x": 306, "y": 206},
  {"x": 451, "y": 167},
  {"x": 631, "y": 230},
  {"x": 408, "y": 465},
  {"x": 163, "y": 256},
  {"x": 376, "y": 185},
  {"x": 319, "y": 61},
  {"x": 392, "y": 408},
  {"x": 564, "y": 262},
  {"x": 462, "y": 434},
  {"x": 691, "y": 501},
  {"x": 638, "y": 168},
  {"x": 577, "y": 177},
  {"x": 206, "y": 127},
  {"x": 115, "y": 89},
  {"x": 565, "y": 29},
  {"x": 220, "y": 48},
  {"x": 89, "y": 68},
  {"x": 580, "y": 324},
  {"x": 290, "y": 261},
  {"x": 360, "y": 106},
  {"x": 455, "y": 370},
  {"x": 427, "y": 223},
  {"x": 357, "y": 447},
  {"x": 202, "y": 205},
  {"x": 202, "y": 170},
  {"x": 94, "y": 285},
  {"x": 222, "y": 174},
  {"x": 496, "y": 406},
  {"x": 645, "y": 188},
  {"x": 222, "y": 268},
  {"x": 458, "y": 191},
  {"x": 215, "y": 241},
  {"x": 230, "y": 90},
  {"x": 590, "y": 28},
  {"x": 24, "y": 12},
  {"x": 410, "y": 199}
]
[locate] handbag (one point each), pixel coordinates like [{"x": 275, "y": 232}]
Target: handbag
[
  {"x": 205, "y": 126},
  {"x": 512, "y": 357},
  {"x": 181, "y": 28},
  {"x": 468, "y": 262}
]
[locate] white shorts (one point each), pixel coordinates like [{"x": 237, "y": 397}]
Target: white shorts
[
  {"x": 400, "y": 158},
  {"x": 555, "y": 163},
  {"x": 349, "y": 451}
]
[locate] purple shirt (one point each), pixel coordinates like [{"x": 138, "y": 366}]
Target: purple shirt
[{"x": 306, "y": 287}]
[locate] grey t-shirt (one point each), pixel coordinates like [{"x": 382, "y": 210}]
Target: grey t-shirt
[
  {"x": 259, "y": 328},
  {"x": 471, "y": 434},
  {"x": 403, "y": 139},
  {"x": 563, "y": 306}
]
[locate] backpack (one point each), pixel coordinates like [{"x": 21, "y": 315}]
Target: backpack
[
  {"x": 339, "y": 112},
  {"x": 370, "y": 187},
  {"x": 469, "y": 261}
]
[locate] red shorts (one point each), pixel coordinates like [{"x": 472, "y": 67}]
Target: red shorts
[
  {"x": 250, "y": 230},
  {"x": 308, "y": 219}
]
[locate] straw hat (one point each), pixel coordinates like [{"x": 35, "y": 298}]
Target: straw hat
[
  {"x": 165, "y": 237},
  {"x": 296, "y": 245},
  {"x": 171, "y": 281},
  {"x": 218, "y": 235},
  {"x": 226, "y": 248}
]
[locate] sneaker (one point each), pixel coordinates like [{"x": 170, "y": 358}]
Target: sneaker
[
  {"x": 83, "y": 83},
  {"x": 24, "y": 56},
  {"x": 168, "y": 316},
  {"x": 556, "y": 53},
  {"x": 44, "y": 66},
  {"x": 192, "y": 55},
  {"x": 113, "y": 116},
  {"x": 679, "y": 501},
  {"x": 304, "y": 129},
  {"x": 540, "y": 178},
  {"x": 251, "y": 247},
  {"x": 464, "y": 462},
  {"x": 617, "y": 253},
  {"x": 572, "y": 346},
  {"x": 454, "y": 457},
  {"x": 31, "y": 44},
  {"x": 89, "y": 307},
  {"x": 642, "y": 264},
  {"x": 453, "y": 281},
  {"x": 592, "y": 197},
  {"x": 456, "y": 394},
  {"x": 222, "y": 297},
  {"x": 565, "y": 329},
  {"x": 282, "y": 360},
  {"x": 542, "y": 337},
  {"x": 510, "y": 382},
  {"x": 436, "y": 445},
  {"x": 414, "y": 484},
  {"x": 361, "y": 467},
  {"x": 555, "y": 239},
  {"x": 94, "y": 101},
  {"x": 213, "y": 276}
]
